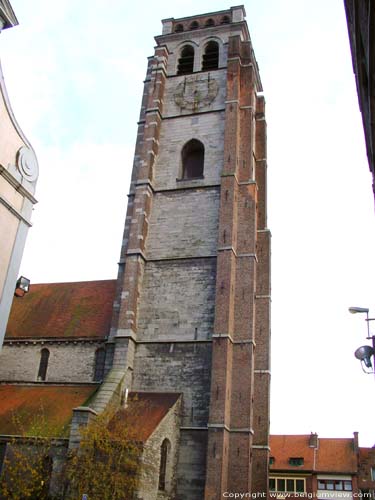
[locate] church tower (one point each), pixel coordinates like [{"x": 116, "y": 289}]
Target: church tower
[{"x": 191, "y": 314}]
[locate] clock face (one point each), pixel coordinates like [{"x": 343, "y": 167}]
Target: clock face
[{"x": 196, "y": 92}]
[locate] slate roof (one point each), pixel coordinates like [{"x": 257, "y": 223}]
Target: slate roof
[
  {"x": 145, "y": 411},
  {"x": 333, "y": 455},
  {"x": 63, "y": 310},
  {"x": 40, "y": 410}
]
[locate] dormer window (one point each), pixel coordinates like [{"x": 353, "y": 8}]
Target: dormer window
[
  {"x": 271, "y": 460},
  {"x": 296, "y": 461},
  {"x": 211, "y": 56},
  {"x": 186, "y": 60}
]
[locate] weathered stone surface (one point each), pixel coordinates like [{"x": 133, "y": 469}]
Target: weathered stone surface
[
  {"x": 177, "y": 300},
  {"x": 68, "y": 361},
  {"x": 179, "y": 367}
]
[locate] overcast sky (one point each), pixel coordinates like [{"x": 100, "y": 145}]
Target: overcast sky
[{"x": 74, "y": 73}]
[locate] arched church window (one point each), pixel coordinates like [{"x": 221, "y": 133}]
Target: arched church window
[
  {"x": 186, "y": 60},
  {"x": 43, "y": 364},
  {"x": 210, "y": 22},
  {"x": 211, "y": 56},
  {"x": 194, "y": 25},
  {"x": 179, "y": 28},
  {"x": 192, "y": 157},
  {"x": 225, "y": 20},
  {"x": 164, "y": 456},
  {"x": 99, "y": 364}
]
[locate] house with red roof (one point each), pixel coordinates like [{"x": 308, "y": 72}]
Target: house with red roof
[{"x": 313, "y": 467}]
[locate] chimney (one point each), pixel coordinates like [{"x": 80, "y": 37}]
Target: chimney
[
  {"x": 313, "y": 440},
  {"x": 355, "y": 442}
]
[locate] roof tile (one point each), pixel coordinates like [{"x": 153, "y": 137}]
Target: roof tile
[{"x": 63, "y": 310}]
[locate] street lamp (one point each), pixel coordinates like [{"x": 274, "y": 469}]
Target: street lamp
[
  {"x": 365, "y": 352},
  {"x": 22, "y": 286}
]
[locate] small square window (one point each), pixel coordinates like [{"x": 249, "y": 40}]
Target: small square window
[
  {"x": 330, "y": 485},
  {"x": 321, "y": 485},
  {"x": 281, "y": 485},
  {"x": 347, "y": 485},
  {"x": 290, "y": 485},
  {"x": 300, "y": 485},
  {"x": 296, "y": 461}
]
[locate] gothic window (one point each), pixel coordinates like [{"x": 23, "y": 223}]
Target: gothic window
[
  {"x": 192, "y": 156},
  {"x": 164, "y": 452},
  {"x": 211, "y": 56},
  {"x": 194, "y": 25},
  {"x": 179, "y": 28},
  {"x": 99, "y": 364},
  {"x": 43, "y": 364},
  {"x": 225, "y": 20},
  {"x": 186, "y": 60},
  {"x": 210, "y": 22}
]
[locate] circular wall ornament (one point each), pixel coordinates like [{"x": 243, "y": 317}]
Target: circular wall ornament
[
  {"x": 27, "y": 164},
  {"x": 196, "y": 92}
]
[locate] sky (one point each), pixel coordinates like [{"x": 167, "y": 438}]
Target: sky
[{"x": 74, "y": 73}]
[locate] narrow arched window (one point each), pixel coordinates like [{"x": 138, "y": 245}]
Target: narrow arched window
[
  {"x": 210, "y": 22},
  {"x": 179, "y": 28},
  {"x": 194, "y": 25},
  {"x": 211, "y": 56},
  {"x": 164, "y": 456},
  {"x": 99, "y": 364},
  {"x": 192, "y": 157},
  {"x": 43, "y": 364},
  {"x": 186, "y": 60}
]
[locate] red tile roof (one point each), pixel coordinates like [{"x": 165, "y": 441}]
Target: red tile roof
[
  {"x": 336, "y": 455},
  {"x": 332, "y": 455},
  {"x": 63, "y": 310},
  {"x": 40, "y": 410},
  {"x": 285, "y": 447},
  {"x": 145, "y": 411}
]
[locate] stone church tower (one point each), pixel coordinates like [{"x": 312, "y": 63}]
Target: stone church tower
[{"x": 193, "y": 291}]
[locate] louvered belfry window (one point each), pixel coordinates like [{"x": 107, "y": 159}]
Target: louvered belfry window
[
  {"x": 211, "y": 56},
  {"x": 186, "y": 61}
]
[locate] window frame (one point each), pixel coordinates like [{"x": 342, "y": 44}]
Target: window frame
[
  {"x": 185, "y": 154},
  {"x": 204, "y": 55},
  {"x": 181, "y": 63},
  {"x": 336, "y": 483},
  {"x": 43, "y": 364},
  {"x": 276, "y": 478}
]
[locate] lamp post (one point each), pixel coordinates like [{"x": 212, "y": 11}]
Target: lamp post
[{"x": 365, "y": 352}]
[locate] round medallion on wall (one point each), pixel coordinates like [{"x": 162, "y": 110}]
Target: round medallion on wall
[
  {"x": 27, "y": 164},
  {"x": 196, "y": 92}
]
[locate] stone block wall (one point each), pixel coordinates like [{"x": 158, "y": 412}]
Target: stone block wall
[
  {"x": 169, "y": 428},
  {"x": 184, "y": 224},
  {"x": 68, "y": 361},
  {"x": 177, "y": 300},
  {"x": 179, "y": 367},
  {"x": 207, "y": 128}
]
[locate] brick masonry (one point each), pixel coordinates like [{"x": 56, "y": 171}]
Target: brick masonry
[{"x": 193, "y": 285}]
